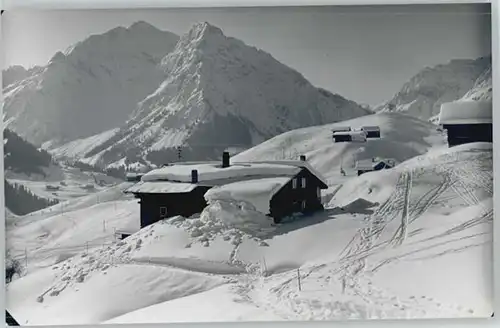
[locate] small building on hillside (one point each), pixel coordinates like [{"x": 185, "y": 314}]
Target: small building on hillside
[
  {"x": 343, "y": 136},
  {"x": 133, "y": 177},
  {"x": 371, "y": 132},
  {"x": 349, "y": 136},
  {"x": 375, "y": 164},
  {"x": 341, "y": 129},
  {"x": 275, "y": 188},
  {"x": 467, "y": 121}
]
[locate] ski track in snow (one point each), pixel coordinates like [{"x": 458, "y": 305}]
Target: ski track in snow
[
  {"x": 352, "y": 268},
  {"x": 343, "y": 288}
]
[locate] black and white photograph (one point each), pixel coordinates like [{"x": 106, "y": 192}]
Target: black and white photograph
[{"x": 254, "y": 164}]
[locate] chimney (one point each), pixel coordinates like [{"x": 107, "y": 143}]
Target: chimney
[
  {"x": 194, "y": 176},
  {"x": 225, "y": 159},
  {"x": 303, "y": 158}
]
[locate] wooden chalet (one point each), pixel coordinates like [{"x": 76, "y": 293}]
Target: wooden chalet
[
  {"x": 342, "y": 137},
  {"x": 349, "y": 136},
  {"x": 374, "y": 164},
  {"x": 283, "y": 188},
  {"x": 133, "y": 177},
  {"x": 467, "y": 122},
  {"x": 371, "y": 132}
]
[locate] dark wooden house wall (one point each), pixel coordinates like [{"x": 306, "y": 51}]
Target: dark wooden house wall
[
  {"x": 363, "y": 171},
  {"x": 467, "y": 133},
  {"x": 342, "y": 138},
  {"x": 372, "y": 134},
  {"x": 289, "y": 200},
  {"x": 185, "y": 204},
  {"x": 381, "y": 165}
]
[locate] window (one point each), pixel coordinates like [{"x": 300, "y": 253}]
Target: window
[
  {"x": 163, "y": 212},
  {"x": 304, "y": 205},
  {"x": 294, "y": 183},
  {"x": 318, "y": 192},
  {"x": 303, "y": 182}
]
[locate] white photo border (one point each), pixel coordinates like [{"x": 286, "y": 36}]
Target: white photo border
[{"x": 138, "y": 4}]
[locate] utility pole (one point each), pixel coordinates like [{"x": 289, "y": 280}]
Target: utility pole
[
  {"x": 298, "y": 279},
  {"x": 179, "y": 153},
  {"x": 26, "y": 258}
]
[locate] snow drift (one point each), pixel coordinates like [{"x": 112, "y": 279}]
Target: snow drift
[{"x": 466, "y": 112}]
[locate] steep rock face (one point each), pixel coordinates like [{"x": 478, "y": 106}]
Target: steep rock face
[
  {"x": 219, "y": 93},
  {"x": 423, "y": 95},
  {"x": 483, "y": 88},
  {"x": 92, "y": 87}
]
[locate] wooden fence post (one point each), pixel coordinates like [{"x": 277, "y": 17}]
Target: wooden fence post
[{"x": 298, "y": 279}]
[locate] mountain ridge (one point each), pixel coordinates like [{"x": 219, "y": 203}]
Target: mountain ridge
[
  {"x": 96, "y": 82},
  {"x": 220, "y": 92},
  {"x": 424, "y": 93}
]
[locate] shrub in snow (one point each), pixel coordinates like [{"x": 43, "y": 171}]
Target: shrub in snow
[{"x": 12, "y": 267}]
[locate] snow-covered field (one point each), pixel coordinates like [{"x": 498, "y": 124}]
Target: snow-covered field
[
  {"x": 410, "y": 242},
  {"x": 63, "y": 182},
  {"x": 402, "y": 137},
  {"x": 70, "y": 227}
]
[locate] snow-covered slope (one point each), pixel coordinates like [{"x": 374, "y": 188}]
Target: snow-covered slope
[
  {"x": 77, "y": 149},
  {"x": 17, "y": 73},
  {"x": 482, "y": 89},
  {"x": 422, "y": 95},
  {"x": 410, "y": 242},
  {"x": 93, "y": 87},
  {"x": 63, "y": 230},
  {"x": 220, "y": 92},
  {"x": 402, "y": 137}
]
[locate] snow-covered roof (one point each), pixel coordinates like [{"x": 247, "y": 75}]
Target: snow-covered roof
[
  {"x": 211, "y": 171},
  {"x": 299, "y": 164},
  {"x": 341, "y": 128},
  {"x": 342, "y": 133},
  {"x": 258, "y": 192},
  {"x": 370, "y": 128},
  {"x": 369, "y": 164},
  {"x": 157, "y": 187},
  {"x": 466, "y": 112},
  {"x": 133, "y": 174},
  {"x": 365, "y": 164},
  {"x": 350, "y": 133}
]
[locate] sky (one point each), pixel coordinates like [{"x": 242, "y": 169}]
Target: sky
[{"x": 363, "y": 53}]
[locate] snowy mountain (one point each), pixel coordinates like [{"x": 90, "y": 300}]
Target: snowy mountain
[
  {"x": 220, "y": 92},
  {"x": 483, "y": 88},
  {"x": 17, "y": 73},
  {"x": 92, "y": 87},
  {"x": 423, "y": 94}
]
